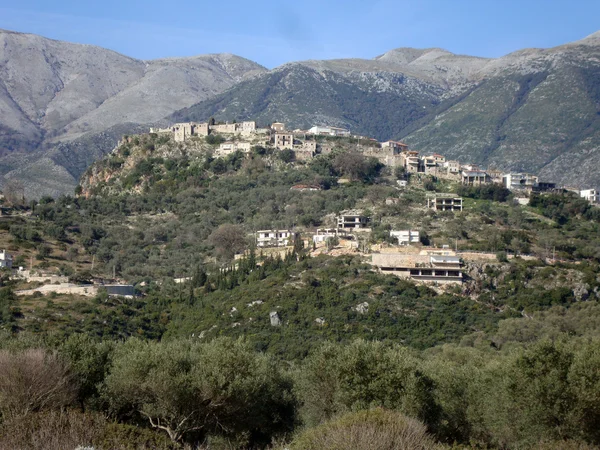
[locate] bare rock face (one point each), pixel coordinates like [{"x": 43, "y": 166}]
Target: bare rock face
[
  {"x": 362, "y": 308},
  {"x": 581, "y": 291}
]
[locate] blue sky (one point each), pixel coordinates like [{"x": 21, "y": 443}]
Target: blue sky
[{"x": 272, "y": 33}]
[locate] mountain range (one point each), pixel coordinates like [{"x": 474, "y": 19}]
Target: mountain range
[{"x": 64, "y": 105}]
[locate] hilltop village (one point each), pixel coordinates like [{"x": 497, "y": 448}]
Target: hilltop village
[
  {"x": 408, "y": 258},
  {"x": 405, "y": 252},
  {"x": 306, "y": 144}
]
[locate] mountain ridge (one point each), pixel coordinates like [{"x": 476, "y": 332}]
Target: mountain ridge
[
  {"x": 466, "y": 107},
  {"x": 531, "y": 110}
]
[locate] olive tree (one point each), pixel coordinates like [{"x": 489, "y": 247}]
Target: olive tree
[
  {"x": 340, "y": 378},
  {"x": 217, "y": 388},
  {"x": 228, "y": 240},
  {"x": 356, "y": 166}
]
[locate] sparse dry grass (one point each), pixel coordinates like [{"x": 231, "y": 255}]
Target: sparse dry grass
[{"x": 33, "y": 380}]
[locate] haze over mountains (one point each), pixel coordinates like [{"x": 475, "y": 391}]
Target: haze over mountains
[{"x": 63, "y": 105}]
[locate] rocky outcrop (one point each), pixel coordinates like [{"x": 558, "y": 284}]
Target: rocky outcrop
[{"x": 275, "y": 319}]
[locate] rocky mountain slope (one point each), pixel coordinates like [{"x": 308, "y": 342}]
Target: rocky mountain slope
[
  {"x": 52, "y": 91},
  {"x": 536, "y": 109},
  {"x": 64, "y": 105}
]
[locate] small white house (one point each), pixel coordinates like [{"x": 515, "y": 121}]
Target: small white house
[
  {"x": 591, "y": 195},
  {"x": 325, "y": 233},
  {"x": 329, "y": 131},
  {"x": 274, "y": 238},
  {"x": 6, "y": 259},
  {"x": 406, "y": 237}
]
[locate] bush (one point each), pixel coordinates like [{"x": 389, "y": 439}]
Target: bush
[
  {"x": 372, "y": 429},
  {"x": 287, "y": 155},
  {"x": 191, "y": 390},
  {"x": 502, "y": 257},
  {"x": 214, "y": 139},
  {"x": 336, "y": 379},
  {"x": 33, "y": 380},
  {"x": 89, "y": 361},
  {"x": 70, "y": 429},
  {"x": 495, "y": 192},
  {"x": 43, "y": 251}
]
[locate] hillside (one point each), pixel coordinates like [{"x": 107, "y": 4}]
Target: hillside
[
  {"x": 153, "y": 210},
  {"x": 52, "y": 91},
  {"x": 274, "y": 342}
]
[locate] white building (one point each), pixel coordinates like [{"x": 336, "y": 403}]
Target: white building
[
  {"x": 274, "y": 238},
  {"x": 228, "y": 148},
  {"x": 324, "y": 234},
  {"x": 406, "y": 237},
  {"x": 6, "y": 259},
  {"x": 519, "y": 181},
  {"x": 452, "y": 167},
  {"x": 329, "y": 131},
  {"x": 591, "y": 195}
]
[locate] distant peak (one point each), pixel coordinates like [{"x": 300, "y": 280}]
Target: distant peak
[
  {"x": 406, "y": 55},
  {"x": 595, "y": 37}
]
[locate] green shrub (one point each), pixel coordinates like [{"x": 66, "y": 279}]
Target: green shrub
[
  {"x": 367, "y": 430},
  {"x": 362, "y": 375},
  {"x": 214, "y": 139},
  {"x": 501, "y": 257},
  {"x": 286, "y": 155},
  {"x": 220, "y": 388}
]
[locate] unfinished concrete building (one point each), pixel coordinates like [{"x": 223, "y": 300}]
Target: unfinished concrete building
[
  {"x": 448, "y": 202},
  {"x": 352, "y": 219},
  {"x": 475, "y": 177},
  {"x": 441, "y": 269}
]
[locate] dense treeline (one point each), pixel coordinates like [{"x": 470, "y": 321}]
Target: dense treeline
[
  {"x": 222, "y": 394},
  {"x": 495, "y": 192},
  {"x": 564, "y": 207}
]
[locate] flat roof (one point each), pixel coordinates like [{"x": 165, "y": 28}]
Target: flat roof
[
  {"x": 442, "y": 258},
  {"x": 470, "y": 173}
]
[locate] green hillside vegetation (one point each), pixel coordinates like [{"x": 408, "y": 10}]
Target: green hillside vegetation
[{"x": 507, "y": 360}]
